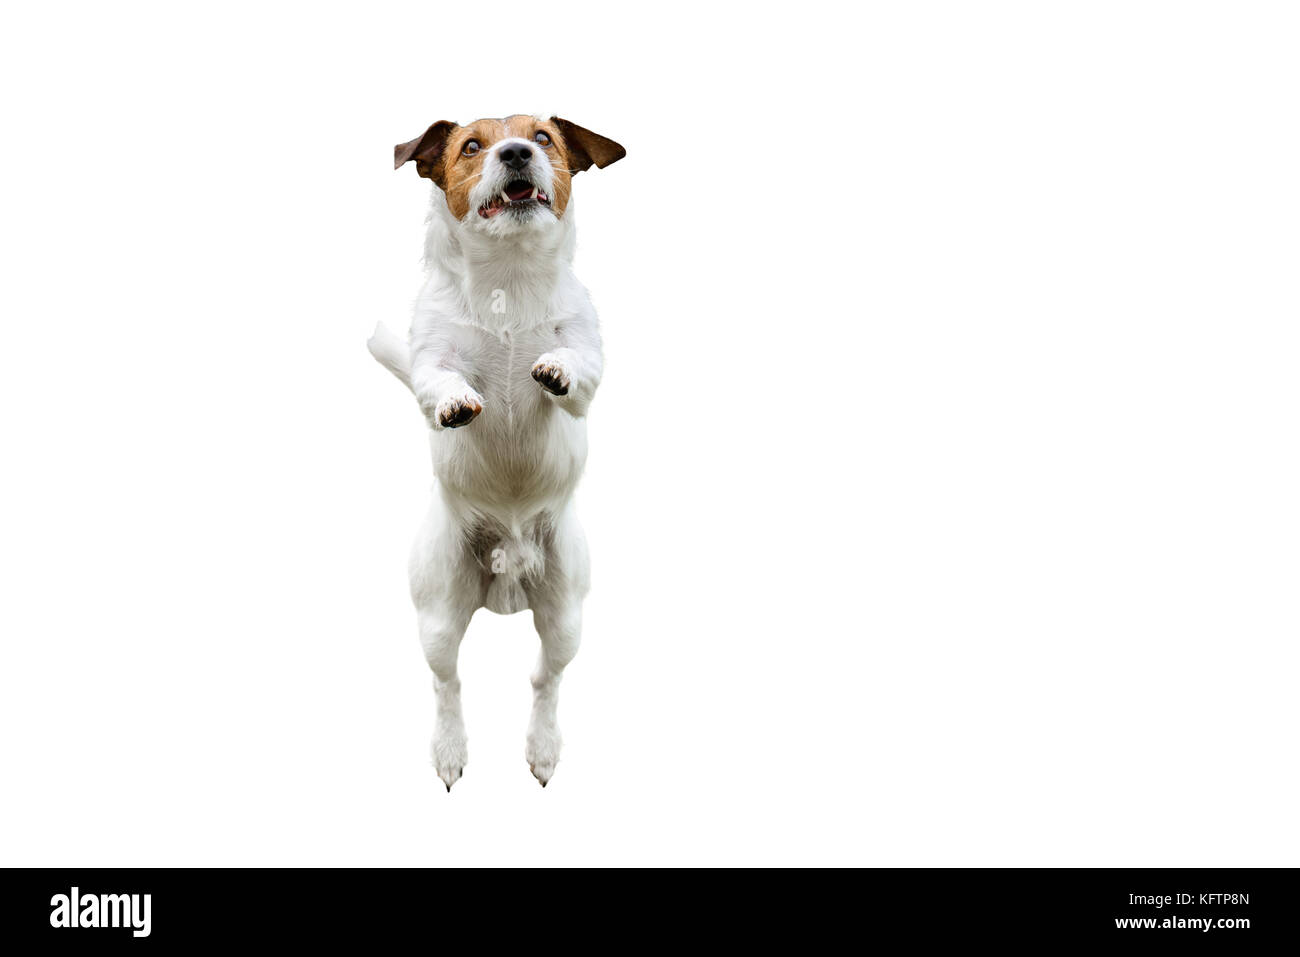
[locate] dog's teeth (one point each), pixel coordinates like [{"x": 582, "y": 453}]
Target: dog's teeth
[
  {"x": 504, "y": 198},
  {"x": 534, "y": 192}
]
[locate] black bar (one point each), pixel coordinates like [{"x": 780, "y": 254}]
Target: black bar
[{"x": 1225, "y": 909}]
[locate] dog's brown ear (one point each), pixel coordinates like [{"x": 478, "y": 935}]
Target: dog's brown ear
[
  {"x": 426, "y": 149},
  {"x": 586, "y": 148}
]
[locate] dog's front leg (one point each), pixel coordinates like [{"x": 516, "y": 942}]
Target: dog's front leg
[
  {"x": 445, "y": 398},
  {"x": 570, "y": 374}
]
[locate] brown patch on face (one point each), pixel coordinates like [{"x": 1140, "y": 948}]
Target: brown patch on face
[
  {"x": 441, "y": 156},
  {"x": 554, "y": 153},
  {"x": 460, "y": 172}
]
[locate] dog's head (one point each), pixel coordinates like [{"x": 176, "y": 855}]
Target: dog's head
[{"x": 503, "y": 175}]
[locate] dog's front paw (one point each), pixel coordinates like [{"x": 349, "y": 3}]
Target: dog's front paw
[
  {"x": 550, "y": 375},
  {"x": 455, "y": 411}
]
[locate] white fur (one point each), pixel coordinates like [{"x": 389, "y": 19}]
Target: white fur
[{"x": 501, "y": 531}]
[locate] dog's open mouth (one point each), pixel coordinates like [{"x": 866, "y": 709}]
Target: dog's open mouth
[{"x": 517, "y": 193}]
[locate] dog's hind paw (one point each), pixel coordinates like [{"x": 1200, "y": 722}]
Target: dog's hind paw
[
  {"x": 542, "y": 754},
  {"x": 450, "y": 756},
  {"x": 543, "y": 772}
]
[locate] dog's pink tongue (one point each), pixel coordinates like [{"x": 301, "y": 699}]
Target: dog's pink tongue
[{"x": 518, "y": 191}]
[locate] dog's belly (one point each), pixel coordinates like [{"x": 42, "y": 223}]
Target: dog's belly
[{"x": 523, "y": 455}]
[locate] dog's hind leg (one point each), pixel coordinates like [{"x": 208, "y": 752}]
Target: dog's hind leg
[
  {"x": 441, "y": 629},
  {"x": 556, "y": 602},
  {"x": 446, "y": 586}
]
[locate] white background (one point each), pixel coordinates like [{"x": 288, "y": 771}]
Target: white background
[{"x": 943, "y": 486}]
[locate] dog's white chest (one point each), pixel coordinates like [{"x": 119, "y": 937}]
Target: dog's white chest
[
  {"x": 503, "y": 365},
  {"x": 522, "y": 452}
]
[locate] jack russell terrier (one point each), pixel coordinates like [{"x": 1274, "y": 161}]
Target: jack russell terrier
[{"x": 503, "y": 358}]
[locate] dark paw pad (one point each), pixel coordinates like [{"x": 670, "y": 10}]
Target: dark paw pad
[
  {"x": 551, "y": 378},
  {"x": 458, "y": 412}
]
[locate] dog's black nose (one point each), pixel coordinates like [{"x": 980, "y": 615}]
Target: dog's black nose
[{"x": 516, "y": 157}]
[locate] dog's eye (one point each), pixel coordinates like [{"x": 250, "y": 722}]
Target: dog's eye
[
  {"x": 470, "y": 148},
  {"x": 542, "y": 139}
]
